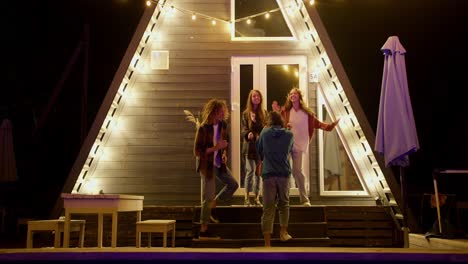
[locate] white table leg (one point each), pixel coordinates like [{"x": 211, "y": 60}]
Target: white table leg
[
  {"x": 82, "y": 234},
  {"x": 138, "y": 234},
  {"x": 99, "y": 236},
  {"x": 29, "y": 239},
  {"x": 114, "y": 229},
  {"x": 173, "y": 235},
  {"x": 57, "y": 236},
  {"x": 66, "y": 230},
  {"x": 165, "y": 236}
]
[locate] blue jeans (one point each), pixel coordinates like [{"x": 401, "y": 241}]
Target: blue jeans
[
  {"x": 275, "y": 191},
  {"x": 209, "y": 190},
  {"x": 252, "y": 181}
]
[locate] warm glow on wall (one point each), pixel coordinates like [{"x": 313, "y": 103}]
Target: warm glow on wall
[{"x": 91, "y": 186}]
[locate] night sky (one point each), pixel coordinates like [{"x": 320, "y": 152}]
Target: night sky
[{"x": 44, "y": 35}]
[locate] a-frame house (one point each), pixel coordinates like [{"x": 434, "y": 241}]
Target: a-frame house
[{"x": 185, "y": 52}]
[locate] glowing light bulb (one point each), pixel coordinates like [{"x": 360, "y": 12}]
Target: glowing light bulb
[
  {"x": 172, "y": 11},
  {"x": 213, "y": 22},
  {"x": 248, "y": 21},
  {"x": 267, "y": 15},
  {"x": 311, "y": 2},
  {"x": 194, "y": 17}
]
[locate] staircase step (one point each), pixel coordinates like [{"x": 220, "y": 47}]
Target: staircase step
[
  {"x": 275, "y": 242},
  {"x": 243, "y": 214},
  {"x": 254, "y": 230}
]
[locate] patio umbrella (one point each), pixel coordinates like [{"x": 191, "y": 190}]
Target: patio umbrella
[
  {"x": 396, "y": 135},
  {"x": 7, "y": 154}
]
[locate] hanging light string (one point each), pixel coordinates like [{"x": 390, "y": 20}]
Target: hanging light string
[
  {"x": 258, "y": 14},
  {"x": 195, "y": 14},
  {"x": 190, "y": 12}
]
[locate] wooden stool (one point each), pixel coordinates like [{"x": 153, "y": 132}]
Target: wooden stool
[
  {"x": 57, "y": 226},
  {"x": 155, "y": 226}
]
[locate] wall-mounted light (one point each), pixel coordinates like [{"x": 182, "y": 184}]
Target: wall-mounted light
[{"x": 160, "y": 59}]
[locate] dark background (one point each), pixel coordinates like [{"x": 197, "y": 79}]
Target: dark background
[{"x": 42, "y": 36}]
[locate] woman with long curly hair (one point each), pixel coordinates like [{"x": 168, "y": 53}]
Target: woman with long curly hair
[
  {"x": 210, "y": 148},
  {"x": 302, "y": 121}
]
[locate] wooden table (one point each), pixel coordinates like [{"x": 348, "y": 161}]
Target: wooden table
[{"x": 99, "y": 204}]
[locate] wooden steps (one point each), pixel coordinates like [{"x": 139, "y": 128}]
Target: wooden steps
[
  {"x": 318, "y": 226},
  {"x": 240, "y": 227},
  {"x": 361, "y": 226},
  {"x": 275, "y": 242}
]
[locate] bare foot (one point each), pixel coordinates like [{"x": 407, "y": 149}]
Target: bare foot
[{"x": 213, "y": 204}]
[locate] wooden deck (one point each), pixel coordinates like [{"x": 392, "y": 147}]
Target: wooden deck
[
  {"x": 435, "y": 250},
  {"x": 254, "y": 254},
  {"x": 419, "y": 241}
]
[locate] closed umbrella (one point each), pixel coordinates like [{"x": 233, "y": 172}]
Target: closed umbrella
[
  {"x": 396, "y": 135},
  {"x": 7, "y": 154}
]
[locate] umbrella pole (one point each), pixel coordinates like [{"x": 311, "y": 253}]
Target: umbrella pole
[{"x": 403, "y": 195}]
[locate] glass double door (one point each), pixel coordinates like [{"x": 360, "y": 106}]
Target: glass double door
[{"x": 273, "y": 77}]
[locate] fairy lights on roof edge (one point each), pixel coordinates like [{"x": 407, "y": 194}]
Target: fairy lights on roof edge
[{"x": 266, "y": 14}]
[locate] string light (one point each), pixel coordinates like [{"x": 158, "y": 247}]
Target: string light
[
  {"x": 172, "y": 10},
  {"x": 248, "y": 19}
]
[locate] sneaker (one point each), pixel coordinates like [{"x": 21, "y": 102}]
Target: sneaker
[
  {"x": 214, "y": 219},
  {"x": 207, "y": 235},
  {"x": 307, "y": 204},
  {"x": 247, "y": 202},
  {"x": 285, "y": 237}
]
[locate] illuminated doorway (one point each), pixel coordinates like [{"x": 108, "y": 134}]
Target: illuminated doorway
[{"x": 274, "y": 77}]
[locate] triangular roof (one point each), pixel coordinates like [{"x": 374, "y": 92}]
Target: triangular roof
[{"x": 135, "y": 147}]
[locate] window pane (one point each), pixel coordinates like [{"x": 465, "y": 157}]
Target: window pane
[
  {"x": 280, "y": 79},
  {"x": 339, "y": 174},
  {"x": 260, "y": 26}
]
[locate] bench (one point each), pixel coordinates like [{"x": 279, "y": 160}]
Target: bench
[
  {"x": 55, "y": 225},
  {"x": 155, "y": 226}
]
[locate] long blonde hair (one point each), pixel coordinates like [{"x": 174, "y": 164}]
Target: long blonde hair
[
  {"x": 288, "y": 105},
  {"x": 260, "y": 114},
  {"x": 211, "y": 108}
]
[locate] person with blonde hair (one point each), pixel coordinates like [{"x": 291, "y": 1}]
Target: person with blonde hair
[
  {"x": 252, "y": 123},
  {"x": 302, "y": 122},
  {"x": 210, "y": 148}
]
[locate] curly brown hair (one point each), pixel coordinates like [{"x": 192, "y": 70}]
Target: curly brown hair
[{"x": 211, "y": 108}]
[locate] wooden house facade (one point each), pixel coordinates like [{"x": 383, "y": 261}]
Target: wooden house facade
[{"x": 185, "y": 52}]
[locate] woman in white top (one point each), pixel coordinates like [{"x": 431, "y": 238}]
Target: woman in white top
[{"x": 302, "y": 122}]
